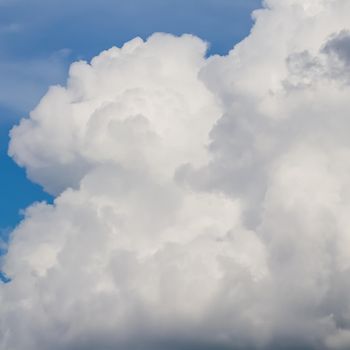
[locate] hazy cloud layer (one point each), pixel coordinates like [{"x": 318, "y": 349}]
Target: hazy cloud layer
[{"x": 201, "y": 203}]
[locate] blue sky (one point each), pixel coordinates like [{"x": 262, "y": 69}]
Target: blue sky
[{"x": 39, "y": 39}]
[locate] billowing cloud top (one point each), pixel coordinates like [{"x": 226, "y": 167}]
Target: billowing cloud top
[{"x": 201, "y": 202}]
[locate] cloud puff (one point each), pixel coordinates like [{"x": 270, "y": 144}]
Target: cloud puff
[
  {"x": 141, "y": 106},
  {"x": 201, "y": 202}
]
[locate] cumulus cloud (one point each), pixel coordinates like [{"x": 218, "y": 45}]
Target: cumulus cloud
[{"x": 201, "y": 202}]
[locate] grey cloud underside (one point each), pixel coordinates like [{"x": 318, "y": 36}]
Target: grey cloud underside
[
  {"x": 175, "y": 344},
  {"x": 202, "y": 203},
  {"x": 339, "y": 45}
]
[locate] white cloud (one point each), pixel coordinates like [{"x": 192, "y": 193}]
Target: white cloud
[
  {"x": 201, "y": 202},
  {"x": 140, "y": 106}
]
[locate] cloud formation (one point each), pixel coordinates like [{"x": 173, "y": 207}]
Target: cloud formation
[{"x": 201, "y": 202}]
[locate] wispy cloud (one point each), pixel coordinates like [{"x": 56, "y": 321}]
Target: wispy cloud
[
  {"x": 23, "y": 82},
  {"x": 10, "y": 28}
]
